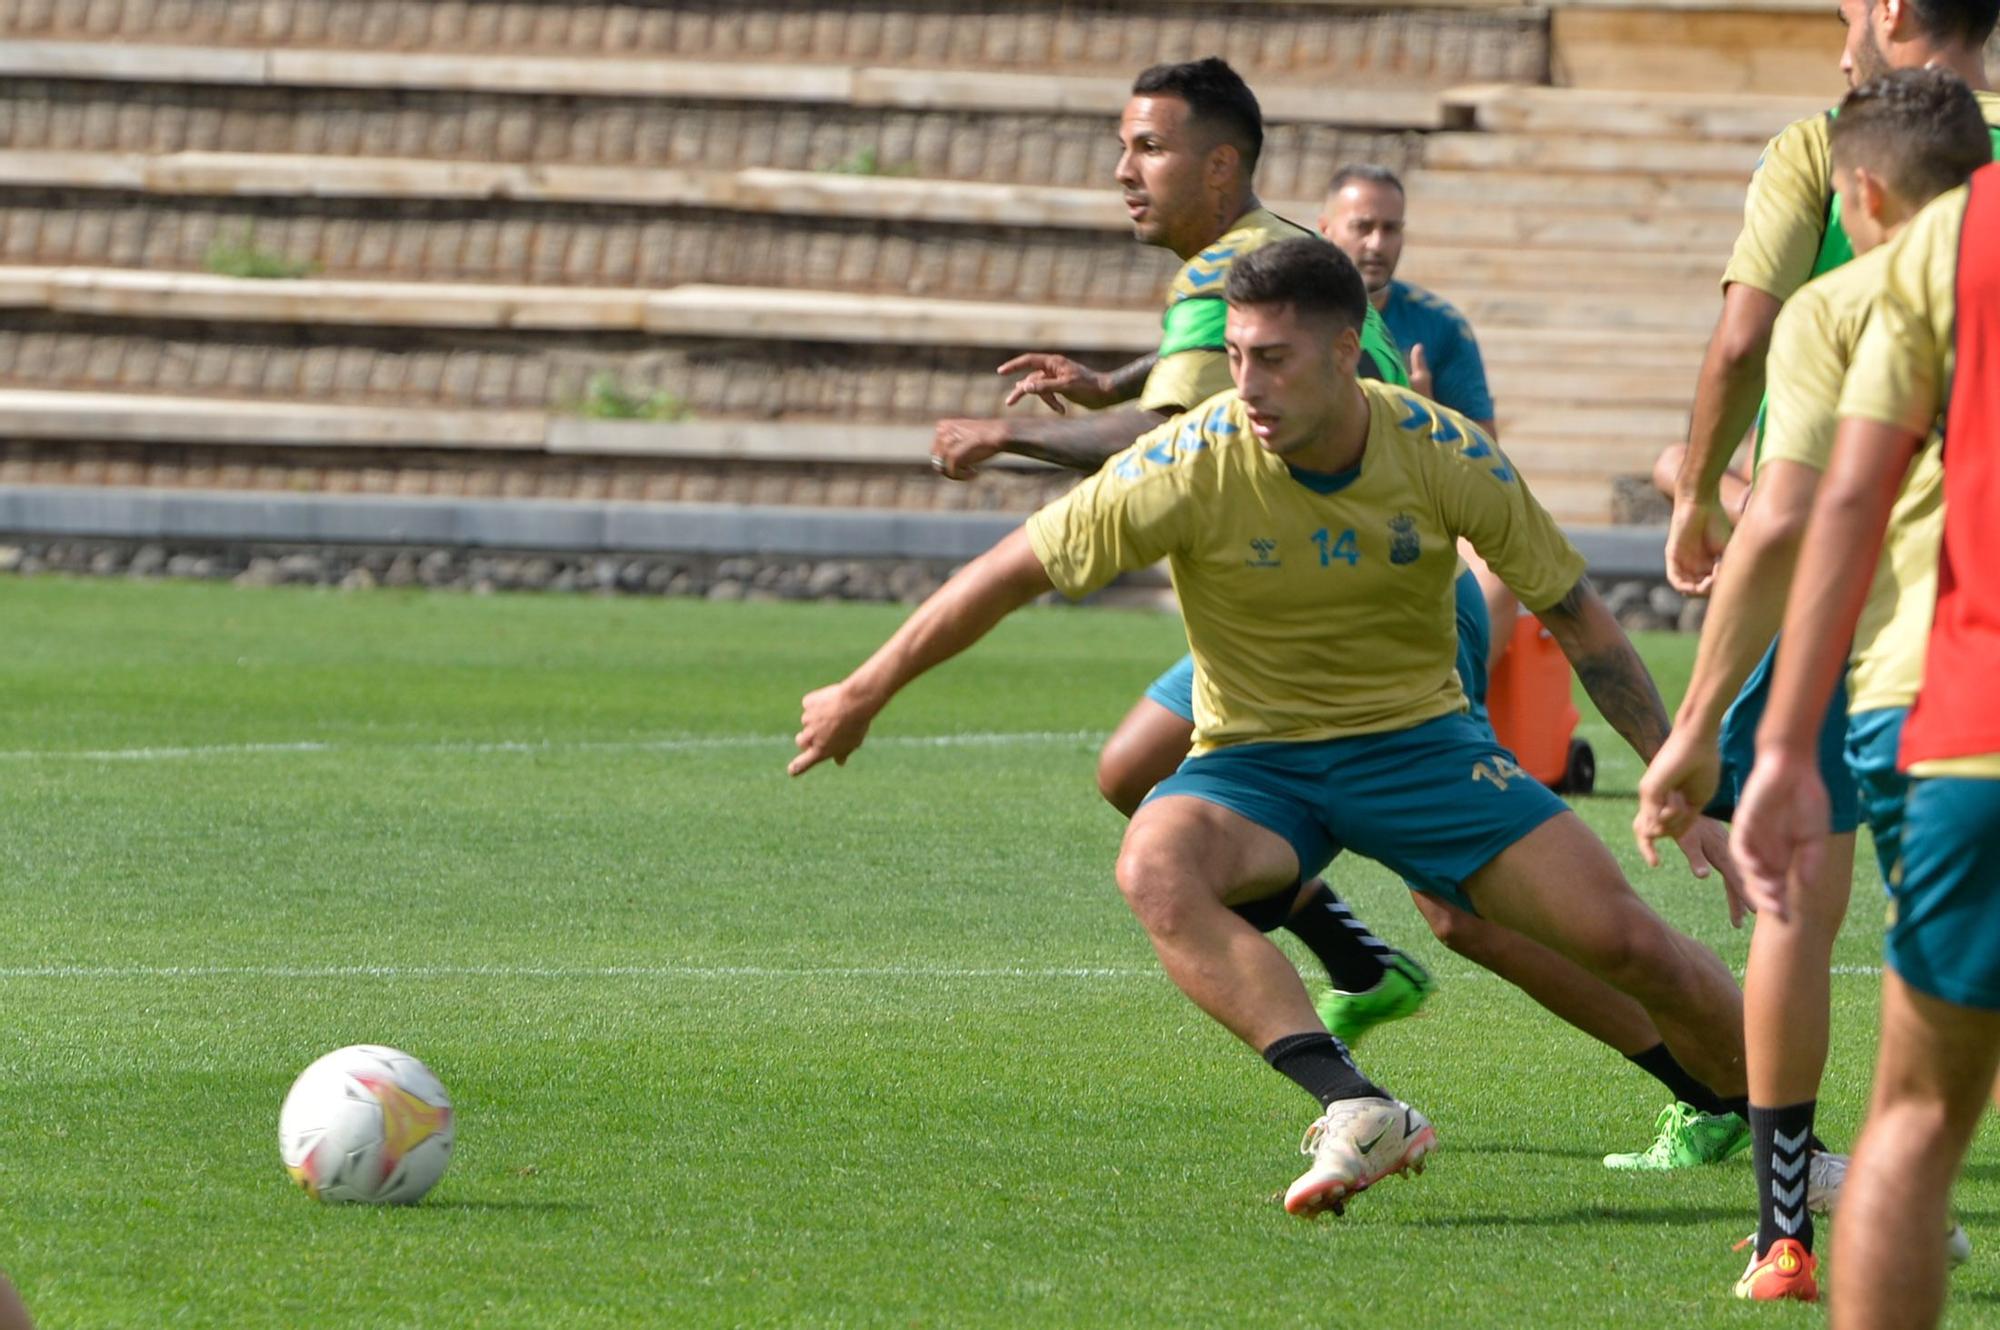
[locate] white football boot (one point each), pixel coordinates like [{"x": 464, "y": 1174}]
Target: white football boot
[{"x": 1354, "y": 1145}]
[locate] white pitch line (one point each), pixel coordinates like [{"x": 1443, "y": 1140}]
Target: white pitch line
[
  {"x": 938, "y": 972},
  {"x": 950, "y": 973},
  {"x": 678, "y": 744}
]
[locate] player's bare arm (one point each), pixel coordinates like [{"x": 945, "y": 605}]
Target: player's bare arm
[
  {"x": 1079, "y": 443},
  {"x": 1608, "y": 666},
  {"x": 1782, "y": 818},
  {"x": 1057, "y": 379},
  {"x": 1725, "y": 406},
  {"x": 835, "y": 719},
  {"x": 1617, "y": 681},
  {"x": 1749, "y": 607}
]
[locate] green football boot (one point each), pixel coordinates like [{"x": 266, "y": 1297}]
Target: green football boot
[
  {"x": 1687, "y": 1138},
  {"x": 1402, "y": 989}
]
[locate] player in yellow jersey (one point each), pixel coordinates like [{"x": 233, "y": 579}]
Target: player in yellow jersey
[
  {"x": 1898, "y": 142},
  {"x": 1191, "y": 135},
  {"x": 1310, "y": 519},
  {"x": 1930, "y": 350},
  {"x": 1791, "y": 233}
]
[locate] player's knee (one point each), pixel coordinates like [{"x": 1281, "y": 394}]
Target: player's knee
[
  {"x": 1158, "y": 890},
  {"x": 1667, "y": 468},
  {"x": 1643, "y": 961}
]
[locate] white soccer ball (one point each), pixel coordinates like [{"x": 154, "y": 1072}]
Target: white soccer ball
[{"x": 366, "y": 1123}]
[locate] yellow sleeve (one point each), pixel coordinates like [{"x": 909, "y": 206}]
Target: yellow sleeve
[
  {"x": 1131, "y": 514},
  {"x": 1181, "y": 380},
  {"x": 1784, "y": 214},
  {"x": 1483, "y": 498},
  {"x": 1803, "y": 374},
  {"x": 1899, "y": 371},
  {"x": 1895, "y": 379}
]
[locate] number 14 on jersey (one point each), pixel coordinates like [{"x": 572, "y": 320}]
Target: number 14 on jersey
[{"x": 1331, "y": 547}]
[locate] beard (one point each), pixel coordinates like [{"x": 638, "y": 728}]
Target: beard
[{"x": 1870, "y": 60}]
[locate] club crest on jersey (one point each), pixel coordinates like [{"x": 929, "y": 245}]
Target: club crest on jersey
[
  {"x": 1404, "y": 544},
  {"x": 1263, "y": 553}
]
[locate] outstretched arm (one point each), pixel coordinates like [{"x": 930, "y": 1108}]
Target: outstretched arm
[
  {"x": 1057, "y": 379},
  {"x": 1609, "y": 667},
  {"x": 1618, "y": 682},
  {"x": 835, "y": 719},
  {"x": 1080, "y": 443}
]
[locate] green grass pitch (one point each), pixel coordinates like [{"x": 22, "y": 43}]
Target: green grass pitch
[{"x": 881, "y": 1047}]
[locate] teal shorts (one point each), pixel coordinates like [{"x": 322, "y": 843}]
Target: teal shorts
[
  {"x": 1434, "y": 804},
  {"x": 1739, "y": 747},
  {"x": 1944, "y": 895},
  {"x": 1174, "y": 690},
  {"x": 1872, "y": 739}
]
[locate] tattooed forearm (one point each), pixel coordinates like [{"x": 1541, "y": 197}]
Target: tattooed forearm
[
  {"x": 1608, "y": 667},
  {"x": 1617, "y": 682},
  {"x": 1127, "y": 381},
  {"x": 1082, "y": 443}
]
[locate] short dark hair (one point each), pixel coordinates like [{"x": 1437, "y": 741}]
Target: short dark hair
[
  {"x": 1305, "y": 272},
  {"x": 1920, "y": 130},
  {"x": 1965, "y": 22},
  {"x": 1218, "y": 99},
  {"x": 1368, "y": 171}
]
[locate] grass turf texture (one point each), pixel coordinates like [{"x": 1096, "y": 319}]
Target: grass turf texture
[{"x": 879, "y": 1047}]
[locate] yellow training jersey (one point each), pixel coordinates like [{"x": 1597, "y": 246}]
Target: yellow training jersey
[
  {"x": 1316, "y": 606},
  {"x": 1785, "y": 211},
  {"x": 1193, "y": 365},
  {"x": 1903, "y": 365},
  {"x": 1812, "y": 346}
]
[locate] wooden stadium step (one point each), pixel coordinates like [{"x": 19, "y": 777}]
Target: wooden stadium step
[
  {"x": 633, "y": 133},
  {"x": 1043, "y": 146},
  {"x": 1648, "y": 115},
  {"x": 1558, "y": 343},
  {"x": 1319, "y": 101},
  {"x": 771, "y": 377},
  {"x": 1754, "y": 47},
  {"x": 1669, "y": 387},
  {"x": 1732, "y": 160},
  {"x": 482, "y": 239},
  {"x": 166, "y": 440},
  {"x": 1637, "y": 188},
  {"x": 1439, "y": 43}
]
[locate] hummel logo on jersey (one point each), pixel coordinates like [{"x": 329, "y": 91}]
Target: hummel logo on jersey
[{"x": 1264, "y": 553}]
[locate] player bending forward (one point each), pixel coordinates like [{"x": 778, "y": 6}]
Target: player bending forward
[{"x": 1310, "y": 521}]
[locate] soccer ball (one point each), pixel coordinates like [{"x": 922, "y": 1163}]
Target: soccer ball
[{"x": 366, "y": 1123}]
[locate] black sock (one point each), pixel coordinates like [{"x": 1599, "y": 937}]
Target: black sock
[
  {"x": 1740, "y": 1106},
  {"x": 1320, "y": 1065},
  {"x": 1353, "y": 956},
  {"x": 1660, "y": 1063},
  {"x": 1779, "y": 1138}
]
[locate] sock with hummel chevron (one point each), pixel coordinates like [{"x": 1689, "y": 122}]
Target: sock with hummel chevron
[{"x": 1780, "y": 1140}]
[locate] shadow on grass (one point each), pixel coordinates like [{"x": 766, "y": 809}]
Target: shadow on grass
[
  {"x": 1584, "y": 1216},
  {"x": 515, "y": 1207},
  {"x": 1522, "y": 1148}
]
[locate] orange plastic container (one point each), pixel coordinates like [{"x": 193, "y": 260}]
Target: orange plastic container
[{"x": 1528, "y": 697}]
